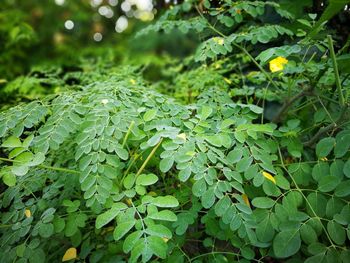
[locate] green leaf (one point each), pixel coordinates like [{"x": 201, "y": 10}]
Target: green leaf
[
  {"x": 20, "y": 170},
  {"x": 165, "y": 201},
  {"x": 199, "y": 187},
  {"x": 38, "y": 159},
  {"x": 263, "y": 202},
  {"x": 235, "y": 155},
  {"x": 222, "y": 205},
  {"x": 336, "y": 232},
  {"x": 122, "y": 153},
  {"x": 328, "y": 183},
  {"x": 20, "y": 250},
  {"x": 205, "y": 112},
  {"x": 108, "y": 216},
  {"x": 214, "y": 140},
  {"x": 343, "y": 189},
  {"x": 244, "y": 164},
  {"x": 185, "y": 174},
  {"x": 286, "y": 243},
  {"x": 208, "y": 198},
  {"x": 342, "y": 141},
  {"x": 165, "y": 215},
  {"x": 24, "y": 157},
  {"x": 150, "y": 115},
  {"x": 159, "y": 230},
  {"x": 265, "y": 232},
  {"x": 12, "y": 142},
  {"x": 324, "y": 147},
  {"x": 146, "y": 179},
  {"x": 131, "y": 240},
  {"x": 46, "y": 230},
  {"x": 158, "y": 246},
  {"x": 165, "y": 164},
  {"x": 27, "y": 141},
  {"x": 123, "y": 228},
  {"x": 318, "y": 203},
  {"x": 129, "y": 181},
  {"x": 346, "y": 168},
  {"x": 308, "y": 234},
  {"x": 9, "y": 179}
]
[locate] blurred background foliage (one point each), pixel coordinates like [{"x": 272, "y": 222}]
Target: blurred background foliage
[{"x": 41, "y": 41}]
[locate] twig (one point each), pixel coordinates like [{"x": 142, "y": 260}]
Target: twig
[
  {"x": 289, "y": 103},
  {"x": 326, "y": 129},
  {"x": 149, "y": 157},
  {"x": 128, "y": 133},
  {"x": 336, "y": 72},
  {"x": 44, "y": 166}
]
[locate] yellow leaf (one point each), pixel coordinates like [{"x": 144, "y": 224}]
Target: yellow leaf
[
  {"x": 71, "y": 253},
  {"x": 277, "y": 64},
  {"x": 28, "y": 213},
  {"x": 128, "y": 201},
  {"x": 245, "y": 199},
  {"x": 269, "y": 177},
  {"x": 228, "y": 81}
]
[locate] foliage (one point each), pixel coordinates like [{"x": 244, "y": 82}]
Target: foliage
[{"x": 239, "y": 153}]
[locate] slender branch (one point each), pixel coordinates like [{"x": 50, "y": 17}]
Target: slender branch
[
  {"x": 289, "y": 103},
  {"x": 43, "y": 166},
  {"x": 326, "y": 129},
  {"x": 128, "y": 133},
  {"x": 336, "y": 72},
  {"x": 149, "y": 157}
]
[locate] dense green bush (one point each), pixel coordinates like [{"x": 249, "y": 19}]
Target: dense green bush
[{"x": 239, "y": 153}]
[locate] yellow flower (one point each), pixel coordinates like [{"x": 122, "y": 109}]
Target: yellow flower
[
  {"x": 269, "y": 177},
  {"x": 28, "y": 213},
  {"x": 132, "y": 81},
  {"x": 324, "y": 159},
  {"x": 277, "y": 64},
  {"x": 165, "y": 239},
  {"x": 71, "y": 253}
]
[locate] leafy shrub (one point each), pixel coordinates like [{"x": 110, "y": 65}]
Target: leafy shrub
[{"x": 254, "y": 167}]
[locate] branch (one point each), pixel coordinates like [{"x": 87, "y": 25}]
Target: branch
[
  {"x": 336, "y": 72},
  {"x": 289, "y": 103},
  {"x": 326, "y": 129},
  {"x": 60, "y": 169}
]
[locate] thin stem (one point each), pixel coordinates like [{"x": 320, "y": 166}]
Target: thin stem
[
  {"x": 128, "y": 133},
  {"x": 328, "y": 128},
  {"x": 336, "y": 72},
  {"x": 149, "y": 157},
  {"x": 43, "y": 166},
  {"x": 289, "y": 103}
]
